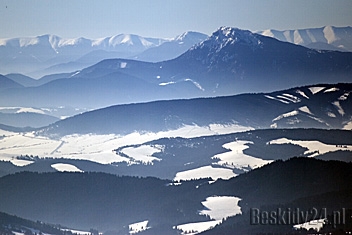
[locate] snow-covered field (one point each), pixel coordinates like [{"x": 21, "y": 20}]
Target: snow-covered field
[
  {"x": 143, "y": 153},
  {"x": 236, "y": 158},
  {"x": 217, "y": 208},
  {"x": 97, "y": 148},
  {"x": 223, "y": 168},
  {"x": 205, "y": 172},
  {"x": 315, "y": 148}
]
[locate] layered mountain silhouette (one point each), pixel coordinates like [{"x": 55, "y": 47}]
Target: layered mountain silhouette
[{"x": 231, "y": 61}]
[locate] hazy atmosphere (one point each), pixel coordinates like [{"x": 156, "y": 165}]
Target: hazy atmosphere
[
  {"x": 182, "y": 117},
  {"x": 160, "y": 18}
]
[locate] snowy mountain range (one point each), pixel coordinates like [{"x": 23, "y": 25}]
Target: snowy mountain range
[
  {"x": 47, "y": 54},
  {"x": 230, "y": 61},
  {"x": 325, "y": 38}
]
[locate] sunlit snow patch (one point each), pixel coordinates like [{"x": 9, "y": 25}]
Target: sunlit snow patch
[
  {"x": 236, "y": 158},
  {"x": 205, "y": 172},
  {"x": 305, "y": 109},
  {"x": 142, "y": 153},
  {"x": 20, "y": 162},
  {"x": 220, "y": 207},
  {"x": 314, "y": 224},
  {"x": 217, "y": 208},
  {"x": 348, "y": 126},
  {"x": 315, "y": 90},
  {"x": 138, "y": 227},
  {"x": 123, "y": 65},
  {"x": 65, "y": 167}
]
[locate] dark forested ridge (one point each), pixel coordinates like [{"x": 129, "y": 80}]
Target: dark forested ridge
[
  {"x": 298, "y": 107},
  {"x": 108, "y": 202}
]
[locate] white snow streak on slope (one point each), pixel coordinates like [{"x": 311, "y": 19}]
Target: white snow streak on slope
[
  {"x": 315, "y": 148},
  {"x": 302, "y": 94},
  {"x": 30, "y": 110},
  {"x": 63, "y": 167},
  {"x": 285, "y": 115},
  {"x": 273, "y": 98},
  {"x": 339, "y": 108},
  {"x": 331, "y": 90},
  {"x": 138, "y": 227},
  {"x": 205, "y": 172},
  {"x": 236, "y": 158},
  {"x": 315, "y": 90},
  {"x": 314, "y": 224},
  {"x": 143, "y": 153},
  {"x": 97, "y": 148},
  {"x": 289, "y": 97},
  {"x": 219, "y": 207}
]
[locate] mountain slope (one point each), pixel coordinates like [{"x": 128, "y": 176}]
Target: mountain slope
[{"x": 7, "y": 83}]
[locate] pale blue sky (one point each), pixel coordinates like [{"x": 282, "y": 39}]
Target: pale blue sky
[{"x": 164, "y": 18}]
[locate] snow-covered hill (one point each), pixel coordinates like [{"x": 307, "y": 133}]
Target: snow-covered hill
[{"x": 325, "y": 38}]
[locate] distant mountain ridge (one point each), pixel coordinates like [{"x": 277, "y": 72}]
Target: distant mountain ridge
[
  {"x": 53, "y": 54},
  {"x": 328, "y": 37}
]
